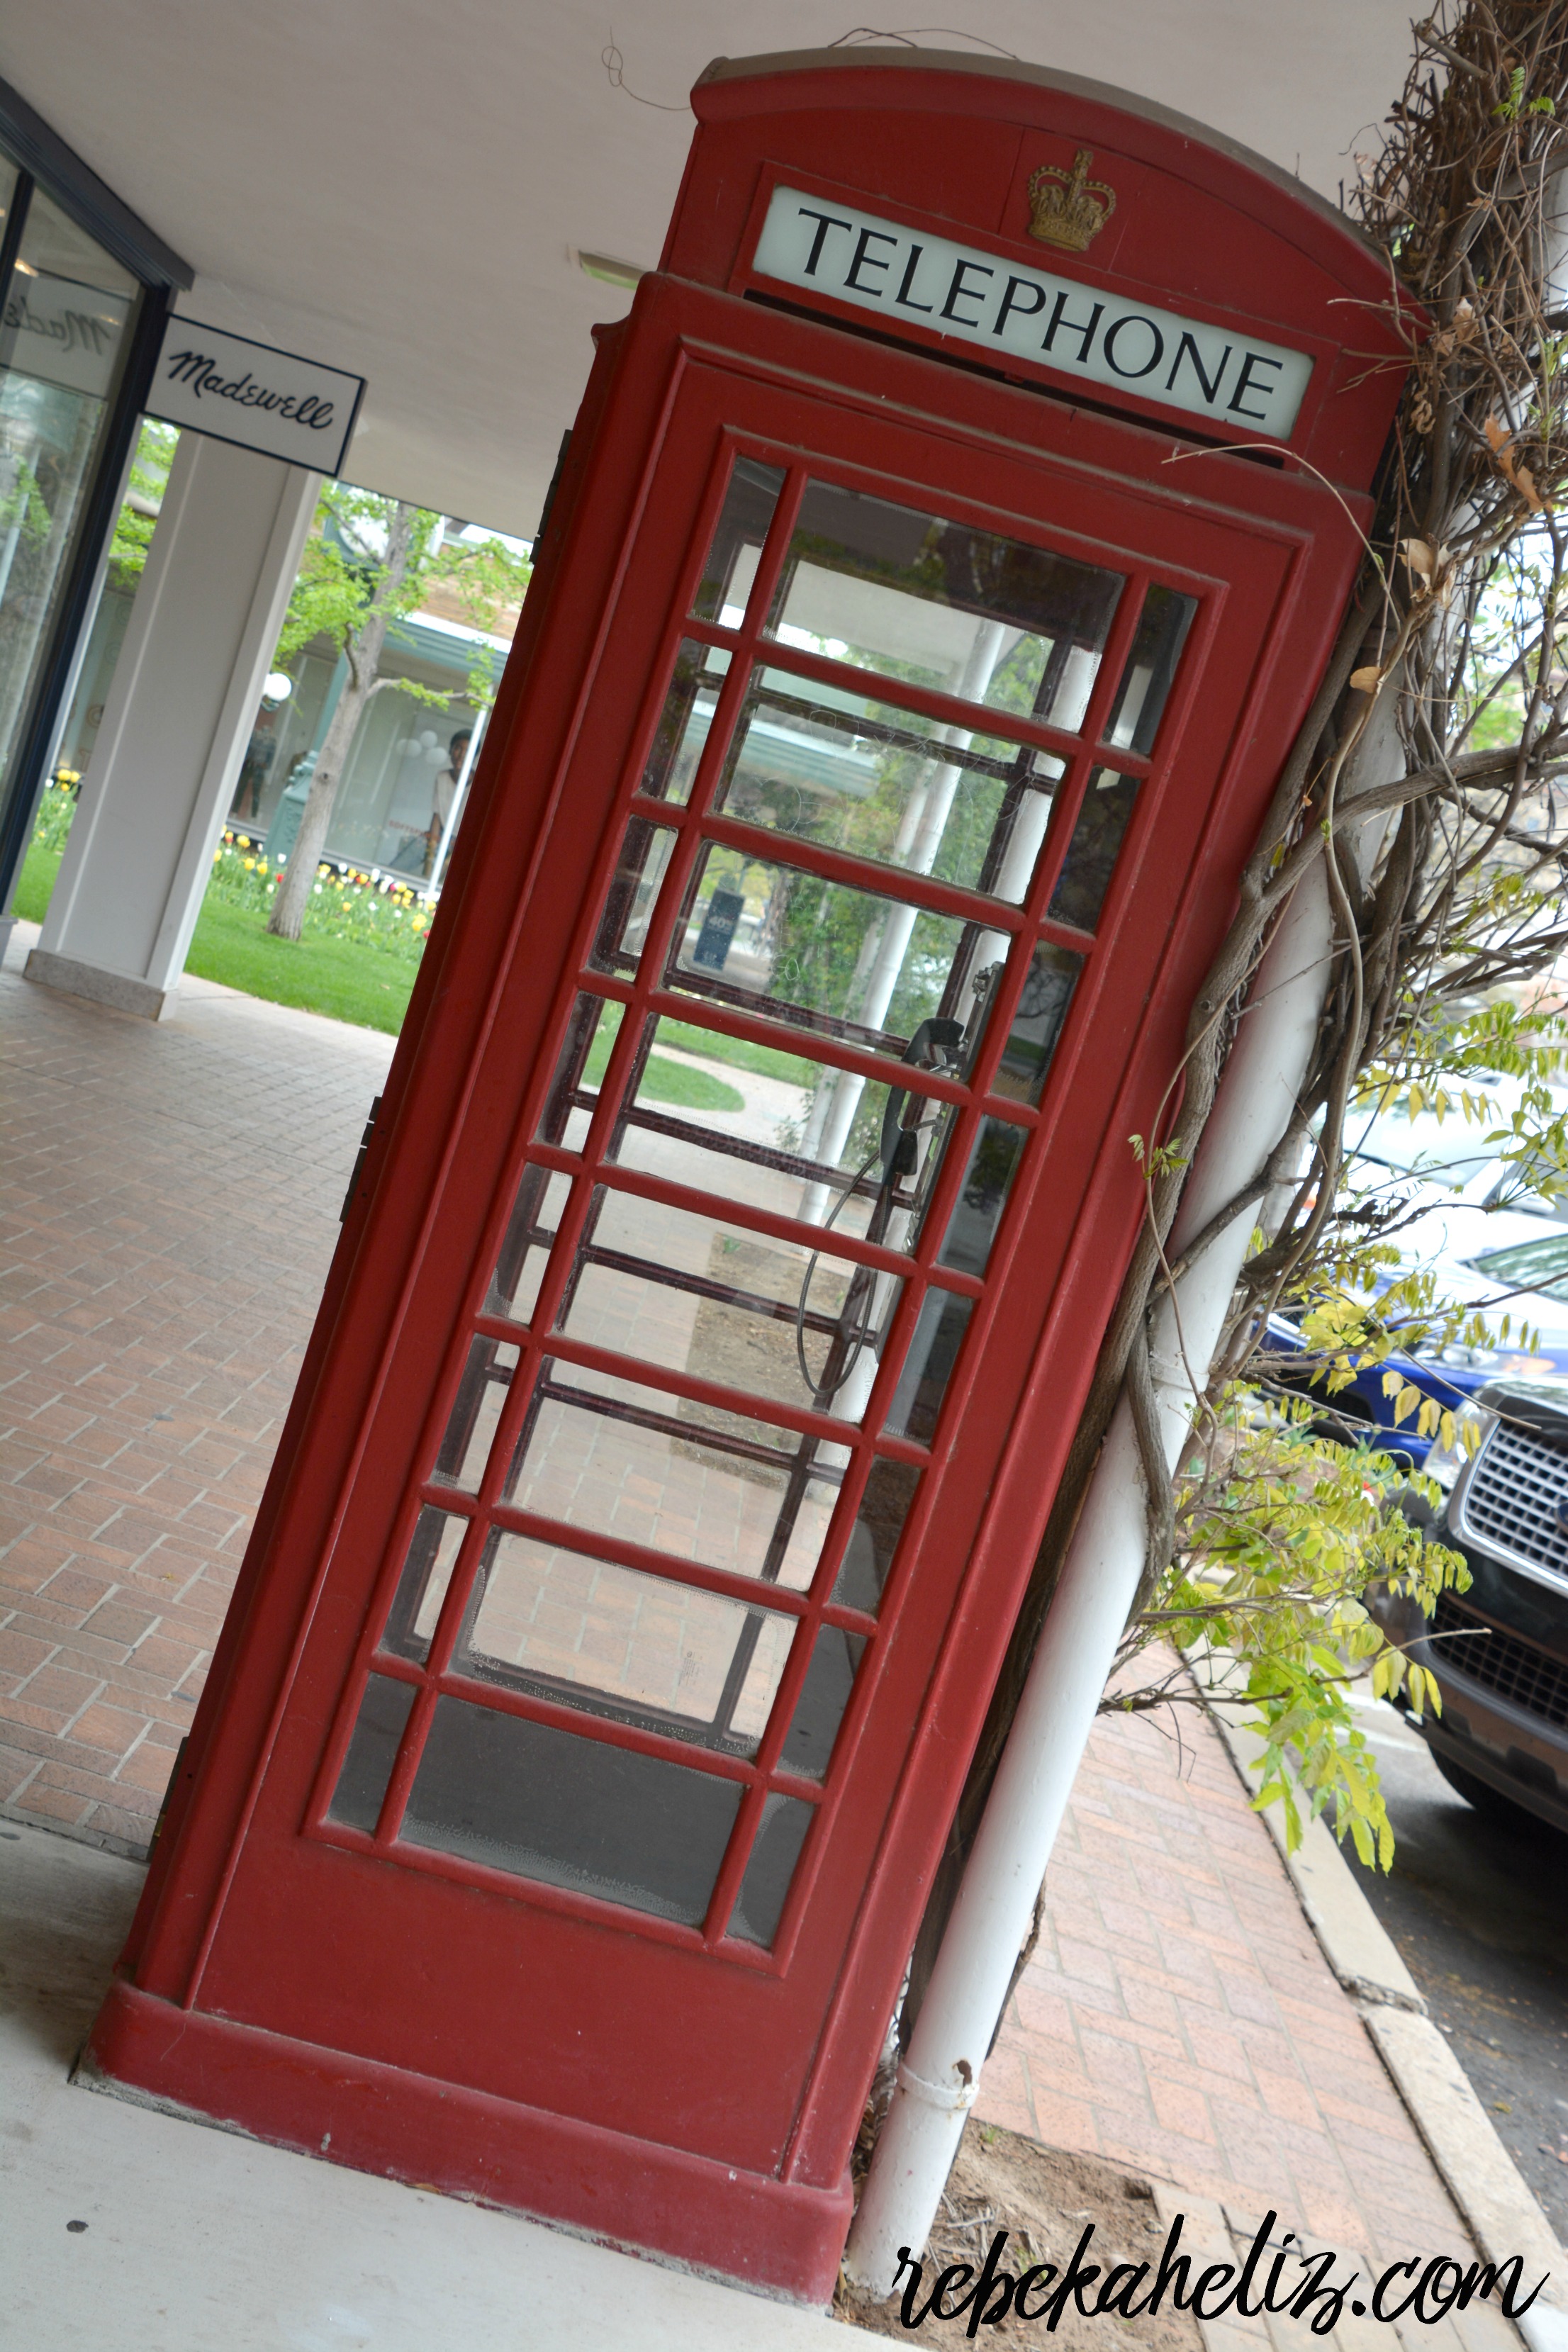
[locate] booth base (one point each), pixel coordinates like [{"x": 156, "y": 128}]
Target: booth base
[{"x": 773, "y": 2236}]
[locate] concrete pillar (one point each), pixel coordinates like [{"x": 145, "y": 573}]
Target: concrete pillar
[{"x": 178, "y": 718}]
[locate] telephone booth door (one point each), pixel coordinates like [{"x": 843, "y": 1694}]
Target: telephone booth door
[{"x": 754, "y": 1188}]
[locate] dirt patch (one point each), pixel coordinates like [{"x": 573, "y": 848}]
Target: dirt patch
[{"x": 1045, "y": 2200}]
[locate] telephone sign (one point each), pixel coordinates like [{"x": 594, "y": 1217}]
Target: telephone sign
[{"x": 903, "y": 679}]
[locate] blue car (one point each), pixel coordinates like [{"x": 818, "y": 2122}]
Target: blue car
[{"x": 1492, "y": 1243}]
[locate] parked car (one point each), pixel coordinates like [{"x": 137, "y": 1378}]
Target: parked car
[
  {"x": 1498, "y": 1652},
  {"x": 1494, "y": 1242}
]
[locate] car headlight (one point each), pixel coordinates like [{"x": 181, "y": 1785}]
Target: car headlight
[{"x": 1472, "y": 1424}]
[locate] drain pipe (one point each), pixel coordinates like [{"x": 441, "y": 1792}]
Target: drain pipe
[{"x": 938, "y": 2076}]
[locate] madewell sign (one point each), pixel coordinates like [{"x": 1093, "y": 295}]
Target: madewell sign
[
  {"x": 266, "y": 400},
  {"x": 1219, "y": 373}
]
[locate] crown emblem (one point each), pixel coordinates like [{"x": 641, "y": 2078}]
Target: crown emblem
[{"x": 1068, "y": 208}]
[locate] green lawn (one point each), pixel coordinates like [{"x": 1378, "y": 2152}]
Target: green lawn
[
  {"x": 34, "y": 891},
  {"x": 356, "y": 979},
  {"x": 350, "y": 979}
]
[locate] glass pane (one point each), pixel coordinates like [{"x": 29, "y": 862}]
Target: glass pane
[
  {"x": 546, "y": 1804},
  {"x": 373, "y": 1751},
  {"x": 760, "y": 1904},
  {"x": 641, "y": 1649},
  {"x": 1091, "y": 854},
  {"x": 978, "y": 1211},
  {"x": 835, "y": 1660},
  {"x": 684, "y": 723},
  {"x": 1146, "y": 683},
  {"x": 737, "y": 547},
  {"x": 591, "y": 1031},
  {"x": 886, "y": 1504},
  {"x": 629, "y": 900},
  {"x": 541, "y": 1204},
  {"x": 696, "y": 1295},
  {"x": 790, "y": 1143},
  {"x": 881, "y": 783},
  {"x": 475, "y": 1409},
  {"x": 815, "y": 954},
  {"x": 922, "y": 1384},
  {"x": 965, "y": 612},
  {"x": 422, "y": 1587},
  {"x": 616, "y": 1458},
  {"x": 1037, "y": 1024},
  {"x": 66, "y": 325}
]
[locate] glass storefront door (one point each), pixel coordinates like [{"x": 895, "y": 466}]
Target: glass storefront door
[{"x": 70, "y": 313}]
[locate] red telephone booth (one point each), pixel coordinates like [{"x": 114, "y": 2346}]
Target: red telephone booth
[{"x": 930, "y": 594}]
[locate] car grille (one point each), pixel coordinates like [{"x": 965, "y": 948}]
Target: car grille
[
  {"x": 1512, "y": 1498},
  {"x": 1526, "y": 1676}
]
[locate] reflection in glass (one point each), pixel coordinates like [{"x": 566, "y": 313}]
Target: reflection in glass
[
  {"x": 696, "y": 1295},
  {"x": 885, "y": 1505},
  {"x": 1146, "y": 683},
  {"x": 422, "y": 1587},
  {"x": 475, "y": 1409},
  {"x": 760, "y": 1904},
  {"x": 613, "y": 1457},
  {"x": 738, "y": 537},
  {"x": 684, "y": 723},
  {"x": 629, "y": 900},
  {"x": 882, "y": 784},
  {"x": 373, "y": 1751},
  {"x": 922, "y": 1384},
  {"x": 808, "y": 1744},
  {"x": 591, "y": 1031},
  {"x": 640, "y": 1649},
  {"x": 1043, "y": 1006},
  {"x": 546, "y": 1804},
  {"x": 962, "y": 610},
  {"x": 542, "y": 1197},
  {"x": 815, "y": 953},
  {"x": 982, "y": 1197},
  {"x": 69, "y": 318},
  {"x": 1090, "y": 861}
]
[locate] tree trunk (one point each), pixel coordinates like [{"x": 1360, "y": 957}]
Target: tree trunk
[{"x": 363, "y": 652}]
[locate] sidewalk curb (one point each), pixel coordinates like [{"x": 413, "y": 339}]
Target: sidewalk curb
[{"x": 1482, "y": 2179}]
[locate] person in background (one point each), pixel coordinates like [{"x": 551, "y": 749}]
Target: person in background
[{"x": 445, "y": 790}]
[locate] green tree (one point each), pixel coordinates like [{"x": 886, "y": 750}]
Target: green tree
[
  {"x": 137, "y": 516},
  {"x": 369, "y": 562}
]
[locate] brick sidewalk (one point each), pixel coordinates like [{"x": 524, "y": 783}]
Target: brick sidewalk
[
  {"x": 168, "y": 1206},
  {"x": 1178, "y": 2015}
]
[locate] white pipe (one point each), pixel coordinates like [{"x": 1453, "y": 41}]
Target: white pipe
[
  {"x": 888, "y": 943},
  {"x": 938, "y": 2078}
]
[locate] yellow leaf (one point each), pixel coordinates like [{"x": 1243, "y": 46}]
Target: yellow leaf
[
  {"x": 1418, "y": 555},
  {"x": 1367, "y": 681}
]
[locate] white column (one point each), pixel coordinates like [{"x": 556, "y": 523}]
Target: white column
[{"x": 178, "y": 718}]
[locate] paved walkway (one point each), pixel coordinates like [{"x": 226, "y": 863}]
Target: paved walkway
[
  {"x": 1179, "y": 2017},
  {"x": 169, "y": 1198},
  {"x": 168, "y": 1205}
]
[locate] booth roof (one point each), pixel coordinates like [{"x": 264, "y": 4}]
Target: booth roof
[{"x": 401, "y": 190}]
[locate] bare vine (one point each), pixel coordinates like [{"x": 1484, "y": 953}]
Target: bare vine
[{"x": 1456, "y": 642}]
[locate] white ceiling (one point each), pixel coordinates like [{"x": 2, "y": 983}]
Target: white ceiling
[{"x": 393, "y": 187}]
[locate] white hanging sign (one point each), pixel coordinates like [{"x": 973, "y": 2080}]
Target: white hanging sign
[
  {"x": 260, "y": 398},
  {"x": 908, "y": 278}
]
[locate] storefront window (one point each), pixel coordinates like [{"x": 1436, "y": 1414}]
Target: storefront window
[{"x": 68, "y": 312}]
